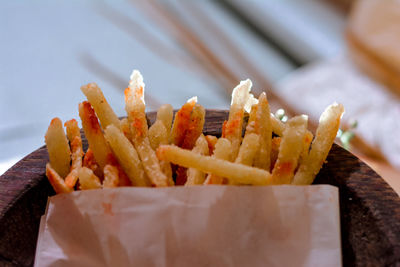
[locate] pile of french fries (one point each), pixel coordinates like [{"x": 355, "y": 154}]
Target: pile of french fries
[{"x": 174, "y": 151}]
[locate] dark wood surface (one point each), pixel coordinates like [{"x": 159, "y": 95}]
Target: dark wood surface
[{"x": 370, "y": 209}]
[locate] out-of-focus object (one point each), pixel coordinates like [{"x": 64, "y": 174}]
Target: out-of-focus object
[{"x": 373, "y": 37}]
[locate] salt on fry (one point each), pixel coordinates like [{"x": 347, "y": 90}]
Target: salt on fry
[
  {"x": 325, "y": 136},
  {"x": 238, "y": 173},
  {"x": 93, "y": 133},
  {"x": 87, "y": 179},
  {"x": 111, "y": 176},
  {"x": 58, "y": 148},
  {"x": 289, "y": 151},
  {"x": 126, "y": 155},
  {"x": 194, "y": 176},
  {"x": 56, "y": 181},
  {"x": 103, "y": 110},
  {"x": 75, "y": 140},
  {"x": 182, "y": 119},
  {"x": 232, "y": 129},
  {"x": 222, "y": 151}
]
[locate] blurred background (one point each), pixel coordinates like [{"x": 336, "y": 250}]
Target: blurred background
[{"x": 305, "y": 54}]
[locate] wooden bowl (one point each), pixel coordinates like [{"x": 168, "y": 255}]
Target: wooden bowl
[{"x": 370, "y": 209}]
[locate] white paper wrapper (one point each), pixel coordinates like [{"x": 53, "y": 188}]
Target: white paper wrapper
[{"x": 192, "y": 226}]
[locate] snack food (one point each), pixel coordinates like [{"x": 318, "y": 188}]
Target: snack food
[{"x": 128, "y": 152}]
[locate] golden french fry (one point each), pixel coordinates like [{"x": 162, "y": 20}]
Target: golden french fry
[
  {"x": 181, "y": 121},
  {"x": 150, "y": 162},
  {"x": 58, "y": 148},
  {"x": 56, "y": 181},
  {"x": 93, "y": 133},
  {"x": 249, "y": 149},
  {"x": 277, "y": 125},
  {"x": 290, "y": 150},
  {"x": 222, "y": 151},
  {"x": 194, "y": 176},
  {"x": 195, "y": 127},
  {"x": 127, "y": 156},
  {"x": 87, "y": 179},
  {"x": 103, "y": 110},
  {"x": 325, "y": 136},
  {"x": 238, "y": 173},
  {"x": 263, "y": 128},
  {"x": 135, "y": 107},
  {"x": 232, "y": 129},
  {"x": 111, "y": 176},
  {"x": 75, "y": 140},
  {"x": 165, "y": 114},
  {"x": 90, "y": 162},
  {"x": 158, "y": 134}
]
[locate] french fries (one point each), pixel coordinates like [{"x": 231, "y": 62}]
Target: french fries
[
  {"x": 56, "y": 181},
  {"x": 232, "y": 128},
  {"x": 289, "y": 151},
  {"x": 87, "y": 179},
  {"x": 222, "y": 150},
  {"x": 134, "y": 100},
  {"x": 238, "y": 173},
  {"x": 103, "y": 110},
  {"x": 194, "y": 176},
  {"x": 57, "y": 146},
  {"x": 128, "y": 152},
  {"x": 94, "y": 134},
  {"x": 325, "y": 135},
  {"x": 75, "y": 140},
  {"x": 127, "y": 156}
]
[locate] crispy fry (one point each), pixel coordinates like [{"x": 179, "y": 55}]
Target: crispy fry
[
  {"x": 103, "y": 110},
  {"x": 249, "y": 149},
  {"x": 56, "y": 181},
  {"x": 94, "y": 135},
  {"x": 325, "y": 136},
  {"x": 87, "y": 179},
  {"x": 135, "y": 107},
  {"x": 74, "y": 137},
  {"x": 127, "y": 156},
  {"x": 182, "y": 119},
  {"x": 238, "y": 173},
  {"x": 277, "y": 125},
  {"x": 263, "y": 127},
  {"x": 58, "y": 148},
  {"x": 165, "y": 114},
  {"x": 195, "y": 127},
  {"x": 90, "y": 162},
  {"x": 194, "y": 176},
  {"x": 222, "y": 151},
  {"x": 308, "y": 137},
  {"x": 111, "y": 176},
  {"x": 289, "y": 150},
  {"x": 232, "y": 129}
]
